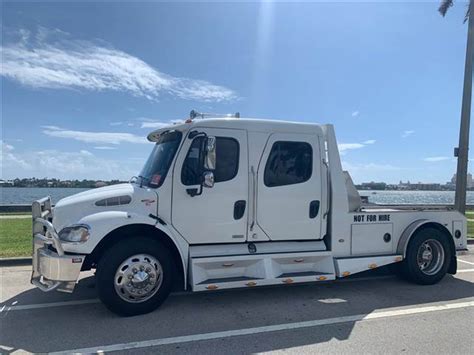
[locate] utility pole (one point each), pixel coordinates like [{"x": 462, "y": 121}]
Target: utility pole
[{"x": 462, "y": 151}]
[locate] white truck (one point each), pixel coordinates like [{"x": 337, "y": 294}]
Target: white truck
[{"x": 227, "y": 202}]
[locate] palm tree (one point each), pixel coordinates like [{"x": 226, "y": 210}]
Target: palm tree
[
  {"x": 446, "y": 4},
  {"x": 462, "y": 151}
]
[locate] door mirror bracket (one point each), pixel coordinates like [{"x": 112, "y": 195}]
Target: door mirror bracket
[{"x": 210, "y": 153}]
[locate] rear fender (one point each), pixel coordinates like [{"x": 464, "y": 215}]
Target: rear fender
[{"x": 424, "y": 223}]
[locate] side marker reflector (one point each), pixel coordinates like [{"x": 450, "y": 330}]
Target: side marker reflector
[
  {"x": 251, "y": 283},
  {"x": 288, "y": 281},
  {"x": 346, "y": 273},
  {"x": 212, "y": 287},
  {"x": 322, "y": 278},
  {"x": 372, "y": 266}
]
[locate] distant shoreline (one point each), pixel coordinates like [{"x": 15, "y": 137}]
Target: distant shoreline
[{"x": 78, "y": 187}]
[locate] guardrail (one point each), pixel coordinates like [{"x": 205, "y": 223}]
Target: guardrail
[{"x": 15, "y": 208}]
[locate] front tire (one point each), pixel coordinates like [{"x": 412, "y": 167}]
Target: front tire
[
  {"x": 427, "y": 258},
  {"x": 135, "y": 276}
]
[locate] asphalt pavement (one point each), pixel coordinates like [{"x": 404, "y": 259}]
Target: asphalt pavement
[{"x": 378, "y": 313}]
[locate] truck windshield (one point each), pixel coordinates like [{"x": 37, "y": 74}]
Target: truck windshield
[{"x": 154, "y": 172}]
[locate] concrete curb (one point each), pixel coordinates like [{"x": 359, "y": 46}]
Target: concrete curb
[{"x": 15, "y": 261}]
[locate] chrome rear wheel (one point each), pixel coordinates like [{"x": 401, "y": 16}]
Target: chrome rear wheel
[{"x": 430, "y": 257}]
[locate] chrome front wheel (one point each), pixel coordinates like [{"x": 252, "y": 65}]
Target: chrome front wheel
[
  {"x": 135, "y": 275},
  {"x": 138, "y": 278}
]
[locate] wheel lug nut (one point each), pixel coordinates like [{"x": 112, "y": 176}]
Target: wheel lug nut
[
  {"x": 148, "y": 269},
  {"x": 134, "y": 270},
  {"x": 130, "y": 277},
  {"x": 142, "y": 268}
]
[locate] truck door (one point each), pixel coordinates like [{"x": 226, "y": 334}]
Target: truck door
[
  {"x": 289, "y": 187},
  {"x": 219, "y": 214}
]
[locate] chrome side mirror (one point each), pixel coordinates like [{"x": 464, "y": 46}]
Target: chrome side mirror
[
  {"x": 208, "y": 179},
  {"x": 210, "y": 157}
]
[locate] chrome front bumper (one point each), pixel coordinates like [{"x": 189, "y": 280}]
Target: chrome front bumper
[{"x": 52, "y": 268}]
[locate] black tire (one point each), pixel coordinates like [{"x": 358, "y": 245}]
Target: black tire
[
  {"x": 114, "y": 257},
  {"x": 410, "y": 268}
]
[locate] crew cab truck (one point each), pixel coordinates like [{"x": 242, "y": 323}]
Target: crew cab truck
[{"x": 225, "y": 203}]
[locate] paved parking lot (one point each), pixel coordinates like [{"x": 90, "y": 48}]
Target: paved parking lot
[{"x": 375, "y": 314}]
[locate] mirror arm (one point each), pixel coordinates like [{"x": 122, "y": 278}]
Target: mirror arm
[{"x": 194, "y": 191}]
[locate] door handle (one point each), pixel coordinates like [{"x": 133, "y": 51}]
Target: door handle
[
  {"x": 313, "y": 209},
  {"x": 239, "y": 209}
]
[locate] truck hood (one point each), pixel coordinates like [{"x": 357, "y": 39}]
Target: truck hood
[{"x": 121, "y": 197}]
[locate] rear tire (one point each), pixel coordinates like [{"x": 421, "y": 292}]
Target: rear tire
[
  {"x": 135, "y": 276},
  {"x": 427, "y": 258}
]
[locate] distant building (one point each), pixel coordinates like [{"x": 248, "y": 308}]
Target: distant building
[
  {"x": 373, "y": 186},
  {"x": 6, "y": 182},
  {"x": 470, "y": 182},
  {"x": 426, "y": 186}
]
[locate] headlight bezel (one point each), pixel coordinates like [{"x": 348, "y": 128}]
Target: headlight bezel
[{"x": 75, "y": 234}]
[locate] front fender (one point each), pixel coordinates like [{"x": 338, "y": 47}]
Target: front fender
[{"x": 105, "y": 222}]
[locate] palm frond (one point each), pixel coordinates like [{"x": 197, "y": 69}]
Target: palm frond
[
  {"x": 470, "y": 6},
  {"x": 444, "y": 6}
]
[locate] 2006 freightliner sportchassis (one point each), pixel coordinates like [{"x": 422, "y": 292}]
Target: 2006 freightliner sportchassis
[{"x": 225, "y": 203}]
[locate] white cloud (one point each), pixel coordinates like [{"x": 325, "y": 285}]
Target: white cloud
[
  {"x": 436, "y": 159},
  {"x": 371, "y": 171},
  {"x": 408, "y": 133},
  {"x": 66, "y": 165},
  {"x": 355, "y": 113},
  {"x": 349, "y": 146},
  {"x": 55, "y": 60},
  {"x": 369, "y": 167},
  {"x": 344, "y": 147},
  {"x": 8, "y": 158},
  {"x": 93, "y": 137},
  {"x": 156, "y": 124},
  {"x": 104, "y": 148}
]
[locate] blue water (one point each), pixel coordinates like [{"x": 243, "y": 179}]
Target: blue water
[
  {"x": 21, "y": 195},
  {"x": 14, "y": 195}
]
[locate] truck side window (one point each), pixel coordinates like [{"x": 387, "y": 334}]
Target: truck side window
[
  {"x": 288, "y": 163},
  {"x": 227, "y": 161}
]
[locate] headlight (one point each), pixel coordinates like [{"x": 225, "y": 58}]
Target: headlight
[{"x": 77, "y": 233}]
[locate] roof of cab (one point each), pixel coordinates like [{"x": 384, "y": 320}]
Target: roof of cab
[{"x": 250, "y": 124}]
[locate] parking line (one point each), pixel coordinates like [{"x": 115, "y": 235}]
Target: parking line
[
  {"x": 466, "y": 262},
  {"x": 465, "y": 270},
  {"x": 267, "y": 329},
  {"x": 6, "y": 308}
]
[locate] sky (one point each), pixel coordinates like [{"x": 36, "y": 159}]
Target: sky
[{"x": 84, "y": 83}]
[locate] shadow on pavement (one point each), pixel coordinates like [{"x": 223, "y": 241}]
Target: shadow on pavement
[{"x": 73, "y": 327}]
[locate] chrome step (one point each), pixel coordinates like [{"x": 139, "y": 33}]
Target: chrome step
[{"x": 211, "y": 273}]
